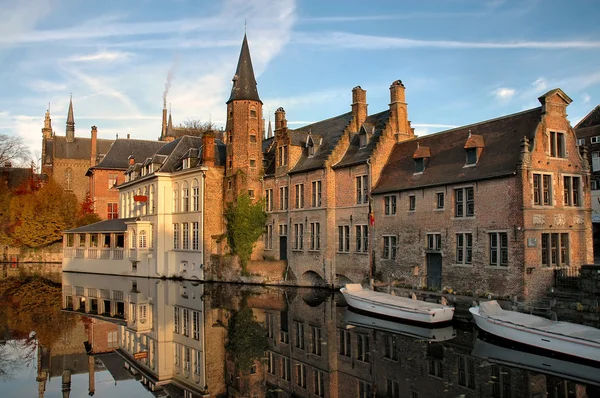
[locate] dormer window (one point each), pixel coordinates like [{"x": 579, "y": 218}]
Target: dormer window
[
  {"x": 282, "y": 155},
  {"x": 473, "y": 148},
  {"x": 471, "y": 156},
  {"x": 419, "y": 165},
  {"x": 186, "y": 163},
  {"x": 311, "y": 150},
  {"x": 420, "y": 157},
  {"x": 362, "y": 140}
]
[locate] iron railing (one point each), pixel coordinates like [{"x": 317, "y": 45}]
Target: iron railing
[{"x": 566, "y": 277}]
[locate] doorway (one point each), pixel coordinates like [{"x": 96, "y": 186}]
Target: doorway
[{"x": 434, "y": 271}]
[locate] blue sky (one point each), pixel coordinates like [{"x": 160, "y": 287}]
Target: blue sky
[{"x": 462, "y": 61}]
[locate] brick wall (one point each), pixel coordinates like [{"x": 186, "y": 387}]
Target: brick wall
[
  {"x": 100, "y": 191},
  {"x": 80, "y": 183}
]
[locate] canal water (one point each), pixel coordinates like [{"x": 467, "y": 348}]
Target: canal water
[{"x": 110, "y": 336}]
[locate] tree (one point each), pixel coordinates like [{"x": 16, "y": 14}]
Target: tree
[
  {"x": 12, "y": 150},
  {"x": 245, "y": 224},
  {"x": 247, "y": 341},
  {"x": 196, "y": 127},
  {"x": 87, "y": 215}
]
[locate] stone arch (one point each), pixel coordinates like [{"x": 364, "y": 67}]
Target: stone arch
[
  {"x": 343, "y": 280},
  {"x": 313, "y": 279}
]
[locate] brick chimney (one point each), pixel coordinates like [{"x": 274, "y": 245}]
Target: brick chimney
[
  {"x": 359, "y": 107},
  {"x": 399, "y": 123},
  {"x": 280, "y": 121},
  {"x": 163, "y": 133},
  {"x": 208, "y": 149},
  {"x": 131, "y": 160},
  {"x": 94, "y": 148}
]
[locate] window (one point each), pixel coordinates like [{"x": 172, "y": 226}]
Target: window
[
  {"x": 197, "y": 362},
  {"x": 142, "y": 239},
  {"x": 362, "y": 140},
  {"x": 501, "y": 387},
  {"x": 283, "y": 198},
  {"x": 391, "y": 351},
  {"x": 299, "y": 236},
  {"x": 498, "y": 248},
  {"x": 299, "y": 196},
  {"x": 195, "y": 196},
  {"x": 389, "y": 205},
  {"x": 132, "y": 240},
  {"x": 464, "y": 248},
  {"x": 253, "y": 113},
  {"x": 112, "y": 211},
  {"x": 176, "y": 198},
  {"x": 594, "y": 185},
  {"x": 362, "y": 189},
  {"x": 283, "y": 229},
  {"x": 316, "y": 193},
  {"x": 344, "y": 238},
  {"x": 363, "y": 348},
  {"x": 253, "y": 138},
  {"x": 571, "y": 186},
  {"x": 393, "y": 389},
  {"x": 177, "y": 351},
  {"x": 315, "y": 236},
  {"x": 434, "y": 241},
  {"x": 284, "y": 336},
  {"x": 175, "y": 236},
  {"x": 596, "y": 160},
  {"x": 282, "y": 155},
  {"x": 364, "y": 389},
  {"x": 466, "y": 372},
  {"x": 464, "y": 202},
  {"x": 112, "y": 180},
  {"x": 389, "y": 247},
  {"x": 69, "y": 179},
  {"x": 271, "y": 363},
  {"x": 580, "y": 141},
  {"x": 152, "y": 208},
  {"x": 269, "y": 236},
  {"x": 195, "y": 236},
  {"x": 471, "y": 156},
  {"x": 286, "y": 369},
  {"x": 557, "y": 145},
  {"x": 230, "y": 183},
  {"x": 176, "y": 326},
  {"x": 595, "y": 140},
  {"x": 362, "y": 238},
  {"x": 319, "y": 383},
  {"x": 270, "y": 325},
  {"x": 345, "y": 346},
  {"x": 185, "y": 236},
  {"x": 299, "y": 335},
  {"x": 412, "y": 202},
  {"x": 315, "y": 340},
  {"x": 439, "y": 200},
  {"x": 253, "y": 163},
  {"x": 186, "y": 322},
  {"x": 196, "y": 325},
  {"x": 251, "y": 193},
  {"x": 269, "y": 200},
  {"x": 542, "y": 189},
  {"x": 555, "y": 249},
  {"x": 419, "y": 165}
]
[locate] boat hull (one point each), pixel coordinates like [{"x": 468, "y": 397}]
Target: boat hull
[
  {"x": 434, "y": 316},
  {"x": 537, "y": 338}
]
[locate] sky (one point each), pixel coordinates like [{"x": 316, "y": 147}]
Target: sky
[{"x": 462, "y": 61}]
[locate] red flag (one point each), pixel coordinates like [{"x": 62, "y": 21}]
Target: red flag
[{"x": 371, "y": 215}]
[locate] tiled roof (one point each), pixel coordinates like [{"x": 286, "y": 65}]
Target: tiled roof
[
  {"x": 180, "y": 147},
  {"x": 220, "y": 153},
  {"x": 119, "y": 152},
  {"x": 500, "y": 156},
  {"x": 80, "y": 148},
  {"x": 591, "y": 119},
  {"x": 114, "y": 225},
  {"x": 355, "y": 154},
  {"x": 14, "y": 176},
  {"x": 330, "y": 130},
  {"x": 244, "y": 82}
]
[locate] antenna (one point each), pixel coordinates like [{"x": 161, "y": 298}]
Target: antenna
[{"x": 244, "y": 25}]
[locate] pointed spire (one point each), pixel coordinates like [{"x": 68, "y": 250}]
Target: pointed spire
[
  {"x": 70, "y": 122},
  {"x": 170, "y": 123},
  {"x": 244, "y": 82}
]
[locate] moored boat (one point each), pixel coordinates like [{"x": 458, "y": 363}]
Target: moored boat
[
  {"x": 396, "y": 307},
  {"x": 563, "y": 337}
]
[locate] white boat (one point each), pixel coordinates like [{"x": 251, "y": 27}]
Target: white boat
[
  {"x": 396, "y": 307},
  {"x": 421, "y": 332},
  {"x": 563, "y": 337},
  {"x": 565, "y": 369}
]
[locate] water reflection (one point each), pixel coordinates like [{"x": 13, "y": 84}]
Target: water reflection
[{"x": 194, "y": 340}]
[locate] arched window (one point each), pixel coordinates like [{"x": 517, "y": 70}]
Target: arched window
[
  {"x": 132, "y": 240},
  {"x": 142, "y": 239},
  {"x": 138, "y": 205},
  {"x": 176, "y": 198},
  {"x": 151, "y": 199},
  {"x": 145, "y": 204},
  {"x": 69, "y": 179},
  {"x": 185, "y": 197},
  {"x": 123, "y": 201},
  {"x": 195, "y": 195}
]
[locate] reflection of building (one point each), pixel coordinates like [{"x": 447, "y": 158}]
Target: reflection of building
[{"x": 163, "y": 329}]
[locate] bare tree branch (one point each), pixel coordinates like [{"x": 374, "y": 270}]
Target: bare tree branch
[{"x": 13, "y": 150}]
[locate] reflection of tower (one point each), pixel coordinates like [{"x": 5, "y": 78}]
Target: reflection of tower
[
  {"x": 66, "y": 383},
  {"x": 92, "y": 375},
  {"x": 42, "y": 370}
]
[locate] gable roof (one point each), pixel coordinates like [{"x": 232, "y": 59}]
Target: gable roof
[
  {"x": 500, "y": 156},
  {"x": 80, "y": 148},
  {"x": 113, "y": 225},
  {"x": 591, "y": 119},
  {"x": 120, "y": 150}
]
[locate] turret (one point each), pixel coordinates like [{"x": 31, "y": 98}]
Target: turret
[{"x": 70, "y": 133}]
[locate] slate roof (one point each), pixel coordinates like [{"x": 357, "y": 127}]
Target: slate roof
[
  {"x": 175, "y": 152},
  {"x": 330, "y": 130},
  {"x": 114, "y": 225},
  {"x": 220, "y": 153},
  {"x": 591, "y": 119},
  {"x": 115, "y": 364},
  {"x": 357, "y": 155},
  {"x": 120, "y": 150},
  {"x": 14, "y": 176},
  {"x": 244, "y": 82},
  {"x": 80, "y": 148},
  {"x": 500, "y": 156}
]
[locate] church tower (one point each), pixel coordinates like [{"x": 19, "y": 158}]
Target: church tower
[
  {"x": 243, "y": 132},
  {"x": 70, "y": 123},
  {"x": 47, "y": 138}
]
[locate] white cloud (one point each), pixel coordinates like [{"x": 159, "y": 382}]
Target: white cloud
[
  {"x": 586, "y": 98},
  {"x": 540, "y": 84},
  {"x": 108, "y": 56},
  {"x": 45, "y": 86},
  {"x": 504, "y": 93}
]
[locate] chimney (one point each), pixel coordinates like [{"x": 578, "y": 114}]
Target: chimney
[
  {"x": 93, "y": 150},
  {"x": 208, "y": 149},
  {"x": 280, "y": 121},
  {"x": 359, "y": 107},
  {"x": 398, "y": 110},
  {"x": 131, "y": 160},
  {"x": 128, "y": 136},
  {"x": 164, "y": 124}
]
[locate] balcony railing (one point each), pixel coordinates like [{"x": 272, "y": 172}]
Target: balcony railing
[
  {"x": 79, "y": 253},
  {"x": 93, "y": 253}
]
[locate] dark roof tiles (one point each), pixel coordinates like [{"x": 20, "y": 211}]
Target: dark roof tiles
[
  {"x": 80, "y": 148},
  {"x": 120, "y": 150}
]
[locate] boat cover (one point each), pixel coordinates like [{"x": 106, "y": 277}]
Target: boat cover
[
  {"x": 388, "y": 299},
  {"x": 492, "y": 309}
]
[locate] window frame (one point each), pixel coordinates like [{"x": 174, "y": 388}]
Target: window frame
[
  {"x": 497, "y": 250},
  {"x": 464, "y": 202},
  {"x": 464, "y": 248},
  {"x": 390, "y": 247},
  {"x": 390, "y": 205}
]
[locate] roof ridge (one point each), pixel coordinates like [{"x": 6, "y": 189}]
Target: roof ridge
[
  {"x": 320, "y": 121},
  {"x": 583, "y": 119}
]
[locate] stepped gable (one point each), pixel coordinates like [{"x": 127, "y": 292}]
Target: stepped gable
[
  {"x": 500, "y": 156},
  {"x": 120, "y": 150},
  {"x": 357, "y": 155},
  {"x": 330, "y": 131}
]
